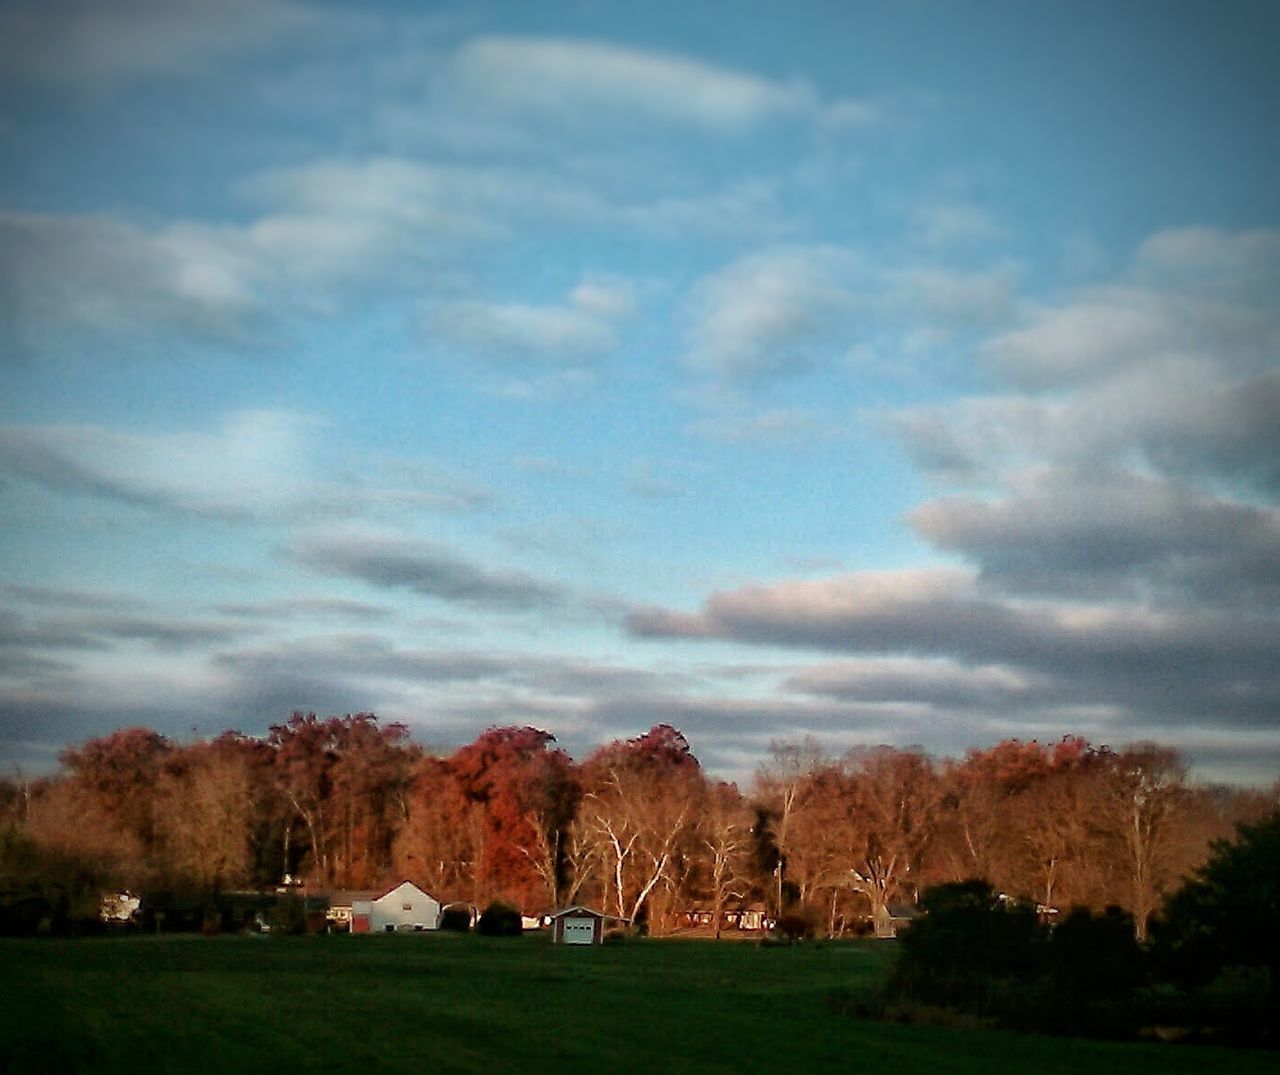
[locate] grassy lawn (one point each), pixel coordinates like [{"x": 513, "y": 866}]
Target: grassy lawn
[{"x": 447, "y": 1003}]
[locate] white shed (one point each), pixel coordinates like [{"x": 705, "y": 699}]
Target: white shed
[
  {"x": 405, "y": 907},
  {"x": 580, "y": 925}
]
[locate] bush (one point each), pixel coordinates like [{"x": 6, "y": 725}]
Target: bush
[
  {"x": 1095, "y": 956},
  {"x": 456, "y": 919},
  {"x": 966, "y": 941},
  {"x": 793, "y": 926},
  {"x": 288, "y": 917},
  {"x": 1228, "y": 914},
  {"x": 500, "y": 920}
]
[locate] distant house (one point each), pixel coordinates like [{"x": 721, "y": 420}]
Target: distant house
[
  {"x": 341, "y": 902},
  {"x": 753, "y": 918},
  {"x": 403, "y": 908},
  {"x": 580, "y": 925},
  {"x": 119, "y": 908},
  {"x": 892, "y": 919}
]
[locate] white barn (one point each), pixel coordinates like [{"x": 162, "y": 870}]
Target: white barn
[{"x": 405, "y": 907}]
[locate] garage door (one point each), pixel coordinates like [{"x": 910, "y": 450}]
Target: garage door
[{"x": 579, "y": 931}]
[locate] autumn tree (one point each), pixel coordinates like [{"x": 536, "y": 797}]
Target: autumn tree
[
  {"x": 780, "y": 786},
  {"x": 528, "y": 793},
  {"x": 117, "y": 775},
  {"x": 981, "y": 804},
  {"x": 344, "y": 780},
  {"x": 639, "y": 806},
  {"x": 822, "y": 840},
  {"x": 1052, "y": 826},
  {"x": 443, "y": 834},
  {"x": 1140, "y": 795},
  {"x": 724, "y": 832},
  {"x": 895, "y": 798},
  {"x": 207, "y": 805}
]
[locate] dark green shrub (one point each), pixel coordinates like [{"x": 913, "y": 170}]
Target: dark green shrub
[
  {"x": 1228, "y": 914},
  {"x": 456, "y": 919},
  {"x": 1095, "y": 956},
  {"x": 793, "y": 926},
  {"x": 965, "y": 944},
  {"x": 288, "y": 917},
  {"x": 499, "y": 920}
]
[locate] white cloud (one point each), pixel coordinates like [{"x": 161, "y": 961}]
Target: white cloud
[
  {"x": 1173, "y": 368},
  {"x": 581, "y": 330},
  {"x": 573, "y": 80},
  {"x": 769, "y": 313},
  {"x": 106, "y": 275},
  {"x": 253, "y": 465}
]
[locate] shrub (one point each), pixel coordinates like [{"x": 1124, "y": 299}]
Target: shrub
[
  {"x": 456, "y": 919},
  {"x": 967, "y": 940},
  {"x": 1228, "y": 914},
  {"x": 1095, "y": 956},
  {"x": 793, "y": 926},
  {"x": 288, "y": 917},
  {"x": 499, "y": 920}
]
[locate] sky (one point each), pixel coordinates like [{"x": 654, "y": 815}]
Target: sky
[{"x": 882, "y": 373}]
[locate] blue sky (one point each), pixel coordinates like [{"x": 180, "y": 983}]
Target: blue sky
[{"x": 882, "y": 373}]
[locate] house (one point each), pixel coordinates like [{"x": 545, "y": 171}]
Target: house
[
  {"x": 580, "y": 925},
  {"x": 403, "y": 908},
  {"x": 754, "y": 918},
  {"x": 890, "y": 920},
  {"x": 341, "y": 902},
  {"x": 746, "y": 918},
  {"x": 119, "y": 908}
]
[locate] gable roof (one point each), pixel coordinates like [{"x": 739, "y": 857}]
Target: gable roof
[
  {"x": 401, "y": 884},
  {"x": 578, "y": 910}
]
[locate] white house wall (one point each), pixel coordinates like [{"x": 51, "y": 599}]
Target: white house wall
[{"x": 404, "y": 907}]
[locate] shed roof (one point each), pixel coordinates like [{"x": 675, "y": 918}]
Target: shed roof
[{"x": 578, "y": 911}]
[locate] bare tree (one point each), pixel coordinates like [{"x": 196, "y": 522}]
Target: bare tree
[
  {"x": 779, "y": 786},
  {"x": 895, "y": 800},
  {"x": 1140, "y": 797},
  {"x": 638, "y": 820},
  {"x": 724, "y": 832}
]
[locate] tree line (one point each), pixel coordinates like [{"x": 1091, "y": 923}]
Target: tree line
[{"x": 637, "y": 828}]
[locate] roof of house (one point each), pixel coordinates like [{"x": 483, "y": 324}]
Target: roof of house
[{"x": 578, "y": 910}]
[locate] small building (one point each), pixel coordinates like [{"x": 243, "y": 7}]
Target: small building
[
  {"x": 751, "y": 919},
  {"x": 580, "y": 925},
  {"x": 119, "y": 908},
  {"x": 339, "y": 916},
  {"x": 893, "y": 919},
  {"x": 404, "y": 908}
]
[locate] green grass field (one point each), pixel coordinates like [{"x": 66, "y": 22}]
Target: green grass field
[{"x": 446, "y": 1003}]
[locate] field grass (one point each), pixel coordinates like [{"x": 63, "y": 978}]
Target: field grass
[{"x": 448, "y": 1003}]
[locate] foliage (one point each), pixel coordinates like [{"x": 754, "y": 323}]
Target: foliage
[
  {"x": 455, "y": 919},
  {"x": 1228, "y": 914},
  {"x": 977, "y": 953},
  {"x": 793, "y": 927},
  {"x": 637, "y": 828},
  {"x": 288, "y": 916},
  {"x": 499, "y": 920}
]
